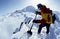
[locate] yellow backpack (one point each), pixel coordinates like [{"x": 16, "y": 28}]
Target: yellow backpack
[{"x": 47, "y": 17}]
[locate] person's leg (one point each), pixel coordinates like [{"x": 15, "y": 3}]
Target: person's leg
[
  {"x": 40, "y": 28},
  {"x": 47, "y": 26}
]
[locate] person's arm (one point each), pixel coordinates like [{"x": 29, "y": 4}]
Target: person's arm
[
  {"x": 39, "y": 21},
  {"x": 38, "y": 12}
]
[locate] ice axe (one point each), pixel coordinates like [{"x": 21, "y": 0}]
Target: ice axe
[{"x": 29, "y": 31}]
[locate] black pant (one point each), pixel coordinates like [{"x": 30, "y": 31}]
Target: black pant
[{"x": 43, "y": 25}]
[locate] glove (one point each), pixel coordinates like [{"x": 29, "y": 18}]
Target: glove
[
  {"x": 35, "y": 21},
  {"x": 38, "y": 13}
]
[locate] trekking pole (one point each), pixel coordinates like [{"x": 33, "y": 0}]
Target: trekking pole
[{"x": 29, "y": 31}]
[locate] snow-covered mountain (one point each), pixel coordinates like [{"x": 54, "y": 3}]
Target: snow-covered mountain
[{"x": 12, "y": 21}]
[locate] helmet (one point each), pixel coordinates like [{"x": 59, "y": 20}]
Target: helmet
[{"x": 39, "y": 6}]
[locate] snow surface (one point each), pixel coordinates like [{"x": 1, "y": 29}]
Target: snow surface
[{"x": 9, "y": 23}]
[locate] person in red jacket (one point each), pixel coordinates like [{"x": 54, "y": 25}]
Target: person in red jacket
[{"x": 46, "y": 14}]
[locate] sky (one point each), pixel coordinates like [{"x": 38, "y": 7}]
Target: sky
[{"x": 9, "y": 6}]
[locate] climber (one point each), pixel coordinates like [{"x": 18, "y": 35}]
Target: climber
[{"x": 46, "y": 20}]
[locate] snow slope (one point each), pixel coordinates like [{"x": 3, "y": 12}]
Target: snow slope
[{"x": 10, "y": 22}]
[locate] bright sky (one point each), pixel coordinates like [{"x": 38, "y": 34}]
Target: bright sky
[{"x": 8, "y": 6}]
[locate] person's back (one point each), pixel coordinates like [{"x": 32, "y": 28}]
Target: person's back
[{"x": 46, "y": 15}]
